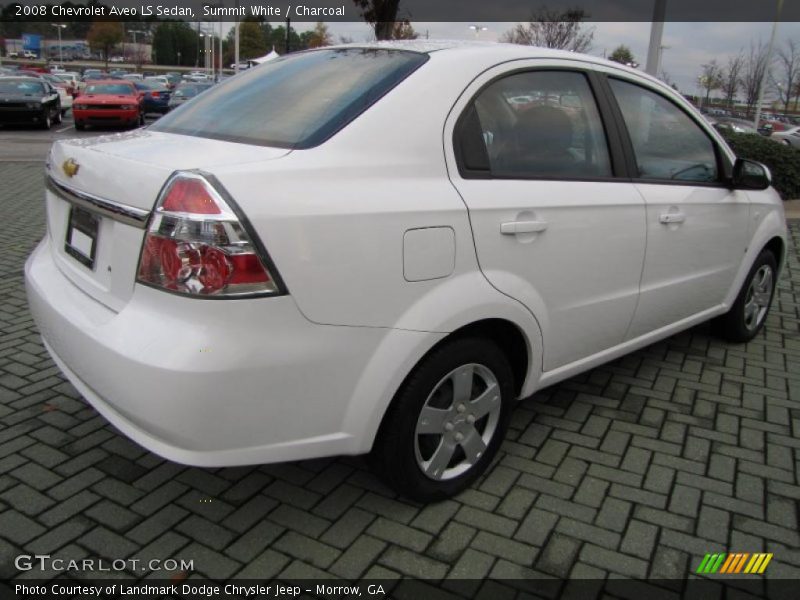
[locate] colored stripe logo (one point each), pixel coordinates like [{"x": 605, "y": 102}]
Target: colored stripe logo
[{"x": 734, "y": 563}]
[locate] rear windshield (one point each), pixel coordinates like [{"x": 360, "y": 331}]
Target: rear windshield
[
  {"x": 297, "y": 101},
  {"x": 117, "y": 89}
]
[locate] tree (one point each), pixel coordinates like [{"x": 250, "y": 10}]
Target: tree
[
  {"x": 251, "y": 40},
  {"x": 320, "y": 36},
  {"x": 103, "y": 36},
  {"x": 622, "y": 54},
  {"x": 402, "y": 30},
  {"x": 711, "y": 77},
  {"x": 553, "y": 29},
  {"x": 381, "y": 15},
  {"x": 754, "y": 69},
  {"x": 788, "y": 67},
  {"x": 175, "y": 43},
  {"x": 730, "y": 78}
]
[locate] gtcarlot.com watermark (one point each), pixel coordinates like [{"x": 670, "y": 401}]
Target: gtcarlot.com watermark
[{"x": 46, "y": 562}]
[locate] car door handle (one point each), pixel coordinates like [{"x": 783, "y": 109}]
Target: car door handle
[
  {"x": 522, "y": 227},
  {"x": 677, "y": 217}
]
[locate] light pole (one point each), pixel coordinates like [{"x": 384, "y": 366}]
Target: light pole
[
  {"x": 136, "y": 46},
  {"x": 59, "y": 27},
  {"x": 766, "y": 65},
  {"x": 236, "y": 41}
]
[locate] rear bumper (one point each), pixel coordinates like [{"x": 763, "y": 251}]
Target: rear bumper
[{"x": 215, "y": 383}]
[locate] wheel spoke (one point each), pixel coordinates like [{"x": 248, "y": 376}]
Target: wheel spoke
[
  {"x": 473, "y": 446},
  {"x": 440, "y": 459},
  {"x": 761, "y": 297},
  {"x": 750, "y": 310},
  {"x": 431, "y": 420},
  {"x": 486, "y": 402},
  {"x": 462, "y": 383}
]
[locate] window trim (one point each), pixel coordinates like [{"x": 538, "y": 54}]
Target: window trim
[
  {"x": 724, "y": 167},
  {"x": 611, "y": 129}
]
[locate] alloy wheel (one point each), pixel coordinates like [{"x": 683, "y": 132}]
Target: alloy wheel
[
  {"x": 758, "y": 297},
  {"x": 457, "y": 422}
]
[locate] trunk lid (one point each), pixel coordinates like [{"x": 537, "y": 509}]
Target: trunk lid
[{"x": 123, "y": 172}]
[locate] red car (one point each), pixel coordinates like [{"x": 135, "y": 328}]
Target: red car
[{"x": 108, "y": 102}]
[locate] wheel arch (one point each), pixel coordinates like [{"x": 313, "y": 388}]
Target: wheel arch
[
  {"x": 508, "y": 336},
  {"x": 778, "y": 248},
  {"x": 769, "y": 234}
]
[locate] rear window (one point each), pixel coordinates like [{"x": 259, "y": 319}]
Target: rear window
[{"x": 297, "y": 101}]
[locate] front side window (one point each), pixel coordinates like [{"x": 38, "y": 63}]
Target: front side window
[
  {"x": 535, "y": 124},
  {"x": 667, "y": 143}
]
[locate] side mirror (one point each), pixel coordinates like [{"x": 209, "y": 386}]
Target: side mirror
[{"x": 750, "y": 175}]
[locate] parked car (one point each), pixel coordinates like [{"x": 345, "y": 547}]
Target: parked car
[
  {"x": 259, "y": 277},
  {"x": 63, "y": 88},
  {"x": 185, "y": 92},
  {"x": 789, "y": 137},
  {"x": 162, "y": 80},
  {"x": 108, "y": 103},
  {"x": 154, "y": 95},
  {"x": 734, "y": 125},
  {"x": 29, "y": 54},
  {"x": 174, "y": 78},
  {"x": 116, "y": 59},
  {"x": 133, "y": 77},
  {"x": 25, "y": 99},
  {"x": 73, "y": 81}
]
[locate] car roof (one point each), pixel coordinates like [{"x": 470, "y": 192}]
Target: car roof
[{"x": 498, "y": 51}]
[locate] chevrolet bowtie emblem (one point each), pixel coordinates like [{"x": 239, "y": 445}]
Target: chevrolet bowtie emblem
[{"x": 70, "y": 167}]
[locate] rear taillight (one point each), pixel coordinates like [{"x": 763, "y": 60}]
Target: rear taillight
[{"x": 196, "y": 245}]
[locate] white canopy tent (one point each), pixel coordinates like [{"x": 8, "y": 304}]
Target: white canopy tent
[{"x": 266, "y": 58}]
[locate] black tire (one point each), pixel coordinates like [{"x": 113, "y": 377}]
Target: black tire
[
  {"x": 400, "y": 451},
  {"x": 741, "y": 323},
  {"x": 59, "y": 117},
  {"x": 47, "y": 121},
  {"x": 79, "y": 125}
]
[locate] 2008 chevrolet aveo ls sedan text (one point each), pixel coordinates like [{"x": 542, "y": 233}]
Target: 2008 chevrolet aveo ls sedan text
[{"x": 379, "y": 248}]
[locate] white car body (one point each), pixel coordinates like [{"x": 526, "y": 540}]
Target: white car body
[
  {"x": 159, "y": 79},
  {"x": 385, "y": 251},
  {"x": 66, "y": 98}
]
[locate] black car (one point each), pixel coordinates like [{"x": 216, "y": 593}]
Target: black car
[{"x": 29, "y": 100}]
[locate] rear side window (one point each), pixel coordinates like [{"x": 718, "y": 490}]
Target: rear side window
[
  {"x": 297, "y": 101},
  {"x": 667, "y": 142},
  {"x": 536, "y": 124}
]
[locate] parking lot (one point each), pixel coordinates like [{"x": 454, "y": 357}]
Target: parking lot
[
  {"x": 27, "y": 142},
  {"x": 635, "y": 469}
]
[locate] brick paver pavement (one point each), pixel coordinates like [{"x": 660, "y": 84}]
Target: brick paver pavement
[{"x": 637, "y": 468}]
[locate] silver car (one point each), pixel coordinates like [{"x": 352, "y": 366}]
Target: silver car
[{"x": 788, "y": 137}]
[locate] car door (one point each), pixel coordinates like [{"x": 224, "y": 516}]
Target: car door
[
  {"x": 696, "y": 224},
  {"x": 554, "y": 227}
]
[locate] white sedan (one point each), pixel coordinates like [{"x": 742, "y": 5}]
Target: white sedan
[{"x": 379, "y": 248}]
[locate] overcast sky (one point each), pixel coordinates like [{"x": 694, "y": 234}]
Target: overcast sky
[{"x": 689, "y": 44}]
